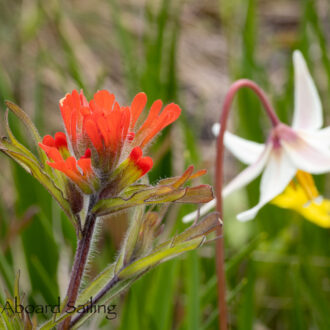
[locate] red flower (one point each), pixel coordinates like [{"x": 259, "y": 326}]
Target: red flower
[
  {"x": 57, "y": 151},
  {"x": 97, "y": 134}
]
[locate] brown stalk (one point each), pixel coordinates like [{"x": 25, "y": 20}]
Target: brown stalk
[
  {"x": 220, "y": 253},
  {"x": 79, "y": 264}
]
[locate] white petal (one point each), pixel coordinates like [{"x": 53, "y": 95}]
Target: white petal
[
  {"x": 248, "y": 174},
  {"x": 308, "y": 154},
  {"x": 246, "y": 151},
  {"x": 203, "y": 210},
  {"x": 242, "y": 179},
  {"x": 278, "y": 173},
  {"x": 324, "y": 135},
  {"x": 320, "y": 137},
  {"x": 307, "y": 104}
]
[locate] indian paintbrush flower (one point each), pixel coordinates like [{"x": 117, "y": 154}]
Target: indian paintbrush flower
[
  {"x": 98, "y": 133},
  {"x": 100, "y": 153},
  {"x": 288, "y": 151},
  {"x": 93, "y": 169}
]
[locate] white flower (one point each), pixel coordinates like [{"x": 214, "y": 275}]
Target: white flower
[{"x": 303, "y": 146}]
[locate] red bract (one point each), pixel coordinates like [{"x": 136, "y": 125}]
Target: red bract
[
  {"x": 99, "y": 132},
  {"x": 57, "y": 151}
]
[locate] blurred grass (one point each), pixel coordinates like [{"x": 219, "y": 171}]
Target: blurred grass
[{"x": 279, "y": 280}]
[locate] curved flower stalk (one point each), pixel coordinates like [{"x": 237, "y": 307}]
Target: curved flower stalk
[
  {"x": 93, "y": 169},
  {"x": 302, "y": 147}
]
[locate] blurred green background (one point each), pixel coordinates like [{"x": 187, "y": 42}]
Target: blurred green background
[{"x": 278, "y": 266}]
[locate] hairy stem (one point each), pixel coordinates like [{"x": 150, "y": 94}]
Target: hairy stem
[
  {"x": 220, "y": 255},
  {"x": 80, "y": 261}
]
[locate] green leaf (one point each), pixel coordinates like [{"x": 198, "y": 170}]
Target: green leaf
[
  {"x": 246, "y": 314},
  {"x": 150, "y": 225},
  {"x": 15, "y": 142},
  {"x": 316, "y": 300},
  {"x": 16, "y": 288},
  {"x": 178, "y": 181},
  {"x": 132, "y": 235},
  {"x": 96, "y": 284},
  {"x": 110, "y": 296},
  {"x": 196, "y": 195},
  {"x": 29, "y": 125},
  {"x": 153, "y": 259},
  {"x": 52, "y": 323},
  {"x": 131, "y": 317},
  {"x": 36, "y": 171},
  {"x": 192, "y": 283},
  {"x": 159, "y": 289},
  {"x": 44, "y": 276},
  {"x": 203, "y": 227},
  {"x": 154, "y": 195},
  {"x": 6, "y": 272},
  {"x": 126, "y": 46}
]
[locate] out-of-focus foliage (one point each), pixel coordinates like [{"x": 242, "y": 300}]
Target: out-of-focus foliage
[{"x": 278, "y": 266}]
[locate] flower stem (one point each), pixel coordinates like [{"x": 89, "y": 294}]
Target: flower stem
[
  {"x": 220, "y": 258},
  {"x": 79, "y": 262}
]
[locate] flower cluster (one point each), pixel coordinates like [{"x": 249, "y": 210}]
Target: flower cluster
[
  {"x": 98, "y": 133},
  {"x": 100, "y": 154}
]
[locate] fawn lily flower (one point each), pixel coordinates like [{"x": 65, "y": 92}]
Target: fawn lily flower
[{"x": 303, "y": 146}]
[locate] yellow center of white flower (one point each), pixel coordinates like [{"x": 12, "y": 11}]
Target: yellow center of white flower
[
  {"x": 302, "y": 196},
  {"x": 306, "y": 182}
]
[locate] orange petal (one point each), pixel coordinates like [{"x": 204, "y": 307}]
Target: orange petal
[
  {"x": 83, "y": 100},
  {"x": 137, "y": 106},
  {"x": 71, "y": 163},
  {"x": 86, "y": 165},
  {"x": 152, "y": 116},
  {"x": 103, "y": 101},
  {"x": 125, "y": 119},
  {"x": 66, "y": 112},
  {"x": 66, "y": 168},
  {"x": 118, "y": 122},
  {"x": 92, "y": 131},
  {"x": 71, "y": 109},
  {"x": 170, "y": 114},
  {"x": 103, "y": 128},
  {"x": 51, "y": 152},
  {"x": 198, "y": 174}
]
